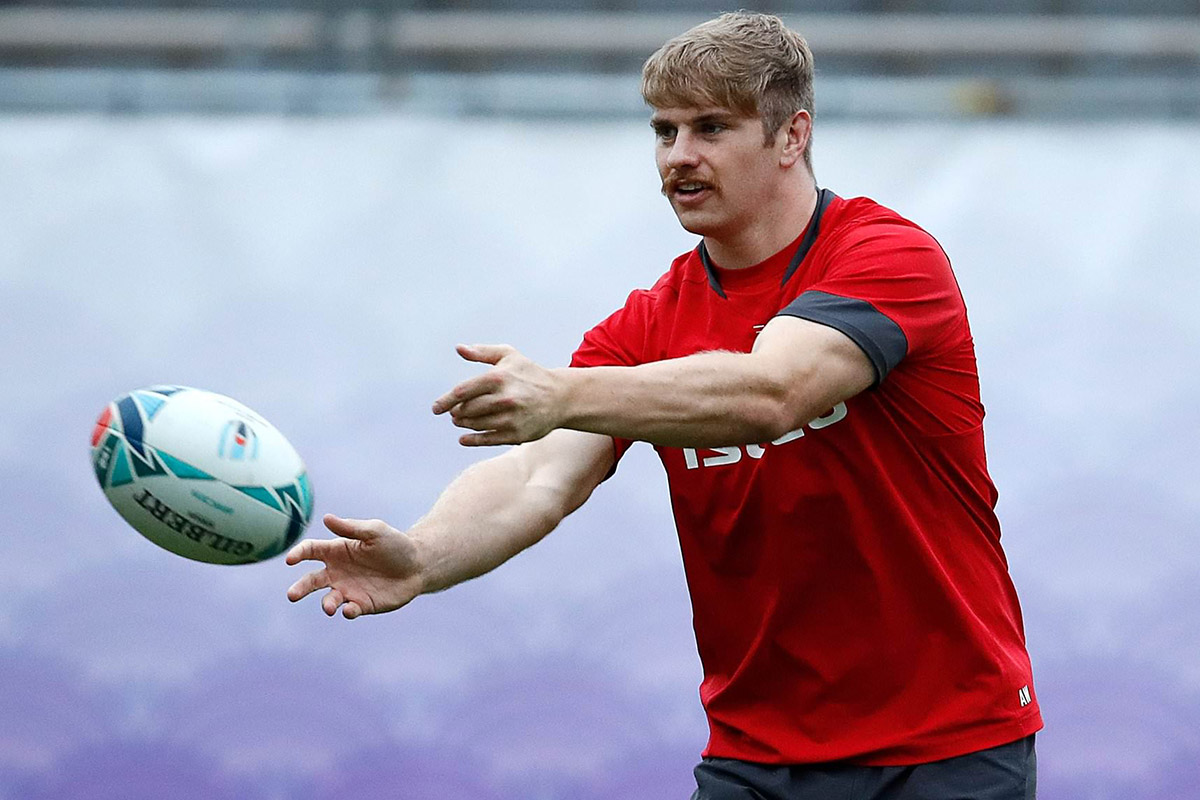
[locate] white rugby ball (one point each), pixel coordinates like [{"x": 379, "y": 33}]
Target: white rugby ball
[{"x": 201, "y": 475}]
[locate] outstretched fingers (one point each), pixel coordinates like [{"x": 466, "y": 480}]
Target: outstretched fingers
[
  {"x": 331, "y": 601},
  {"x": 363, "y": 530},
  {"x": 334, "y": 599},
  {"x": 306, "y": 550},
  {"x": 489, "y": 439},
  {"x": 357, "y": 549},
  {"x": 469, "y": 389},
  {"x": 485, "y": 353},
  {"x": 318, "y": 579}
]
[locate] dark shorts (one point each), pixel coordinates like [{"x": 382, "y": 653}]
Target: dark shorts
[{"x": 1007, "y": 772}]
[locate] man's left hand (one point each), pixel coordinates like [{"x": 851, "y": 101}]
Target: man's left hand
[{"x": 513, "y": 402}]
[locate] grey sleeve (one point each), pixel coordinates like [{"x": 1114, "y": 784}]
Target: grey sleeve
[{"x": 879, "y": 337}]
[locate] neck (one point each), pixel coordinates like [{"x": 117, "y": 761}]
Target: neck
[{"x": 768, "y": 233}]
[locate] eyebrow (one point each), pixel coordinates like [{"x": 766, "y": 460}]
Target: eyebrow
[{"x": 723, "y": 117}]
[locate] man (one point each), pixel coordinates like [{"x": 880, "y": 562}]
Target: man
[{"x": 807, "y": 376}]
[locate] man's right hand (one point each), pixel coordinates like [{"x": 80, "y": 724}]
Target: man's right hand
[{"x": 370, "y": 569}]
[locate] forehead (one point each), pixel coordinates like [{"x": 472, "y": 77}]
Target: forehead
[{"x": 690, "y": 115}]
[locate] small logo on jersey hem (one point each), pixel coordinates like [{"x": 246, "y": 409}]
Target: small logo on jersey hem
[{"x": 1025, "y": 697}]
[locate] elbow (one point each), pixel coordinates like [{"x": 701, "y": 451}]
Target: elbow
[
  {"x": 774, "y": 424},
  {"x": 785, "y": 404},
  {"x": 775, "y": 413}
]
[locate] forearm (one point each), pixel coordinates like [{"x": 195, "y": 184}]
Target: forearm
[
  {"x": 797, "y": 371},
  {"x": 488, "y": 514},
  {"x": 706, "y": 399}
]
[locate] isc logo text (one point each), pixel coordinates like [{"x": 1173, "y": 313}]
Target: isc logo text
[{"x": 732, "y": 455}]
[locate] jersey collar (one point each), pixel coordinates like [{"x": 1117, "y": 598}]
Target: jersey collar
[{"x": 824, "y": 198}]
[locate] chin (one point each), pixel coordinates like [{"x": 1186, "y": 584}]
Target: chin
[{"x": 696, "y": 223}]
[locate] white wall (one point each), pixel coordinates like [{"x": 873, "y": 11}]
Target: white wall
[{"x": 321, "y": 271}]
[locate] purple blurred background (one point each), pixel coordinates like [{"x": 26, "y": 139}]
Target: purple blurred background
[{"x": 321, "y": 272}]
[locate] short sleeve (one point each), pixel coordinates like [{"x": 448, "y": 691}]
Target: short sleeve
[
  {"x": 889, "y": 287},
  {"x": 618, "y": 341}
]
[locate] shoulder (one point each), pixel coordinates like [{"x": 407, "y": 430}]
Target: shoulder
[
  {"x": 875, "y": 256},
  {"x": 685, "y": 269},
  {"x": 860, "y": 221},
  {"x": 864, "y": 237},
  {"x": 622, "y": 338}
]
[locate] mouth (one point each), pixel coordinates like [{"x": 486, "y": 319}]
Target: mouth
[{"x": 688, "y": 192}]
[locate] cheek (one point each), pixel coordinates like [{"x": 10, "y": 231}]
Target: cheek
[
  {"x": 757, "y": 174},
  {"x": 660, "y": 161},
  {"x": 742, "y": 177}
]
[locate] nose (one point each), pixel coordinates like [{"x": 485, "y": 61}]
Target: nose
[{"x": 683, "y": 151}]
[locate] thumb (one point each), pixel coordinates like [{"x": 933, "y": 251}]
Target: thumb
[
  {"x": 361, "y": 529},
  {"x": 485, "y": 353}
]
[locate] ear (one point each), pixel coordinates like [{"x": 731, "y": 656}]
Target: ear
[{"x": 796, "y": 132}]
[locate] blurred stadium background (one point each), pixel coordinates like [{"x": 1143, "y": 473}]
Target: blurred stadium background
[
  {"x": 305, "y": 205},
  {"x": 1037, "y": 58}
]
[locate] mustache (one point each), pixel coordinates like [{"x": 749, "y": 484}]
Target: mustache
[{"x": 673, "y": 180}]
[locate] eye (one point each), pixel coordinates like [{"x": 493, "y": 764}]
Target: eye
[
  {"x": 664, "y": 132},
  {"x": 711, "y": 128}
]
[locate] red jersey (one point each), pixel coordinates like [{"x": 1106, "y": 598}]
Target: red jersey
[{"x": 850, "y": 596}]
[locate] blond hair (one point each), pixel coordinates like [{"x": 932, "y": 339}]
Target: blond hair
[{"x": 748, "y": 63}]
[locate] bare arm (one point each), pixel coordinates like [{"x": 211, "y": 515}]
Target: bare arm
[
  {"x": 491, "y": 512},
  {"x": 797, "y": 371},
  {"x": 501, "y": 506}
]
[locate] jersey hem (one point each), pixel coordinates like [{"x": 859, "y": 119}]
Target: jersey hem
[
  {"x": 950, "y": 748},
  {"x": 965, "y": 745}
]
